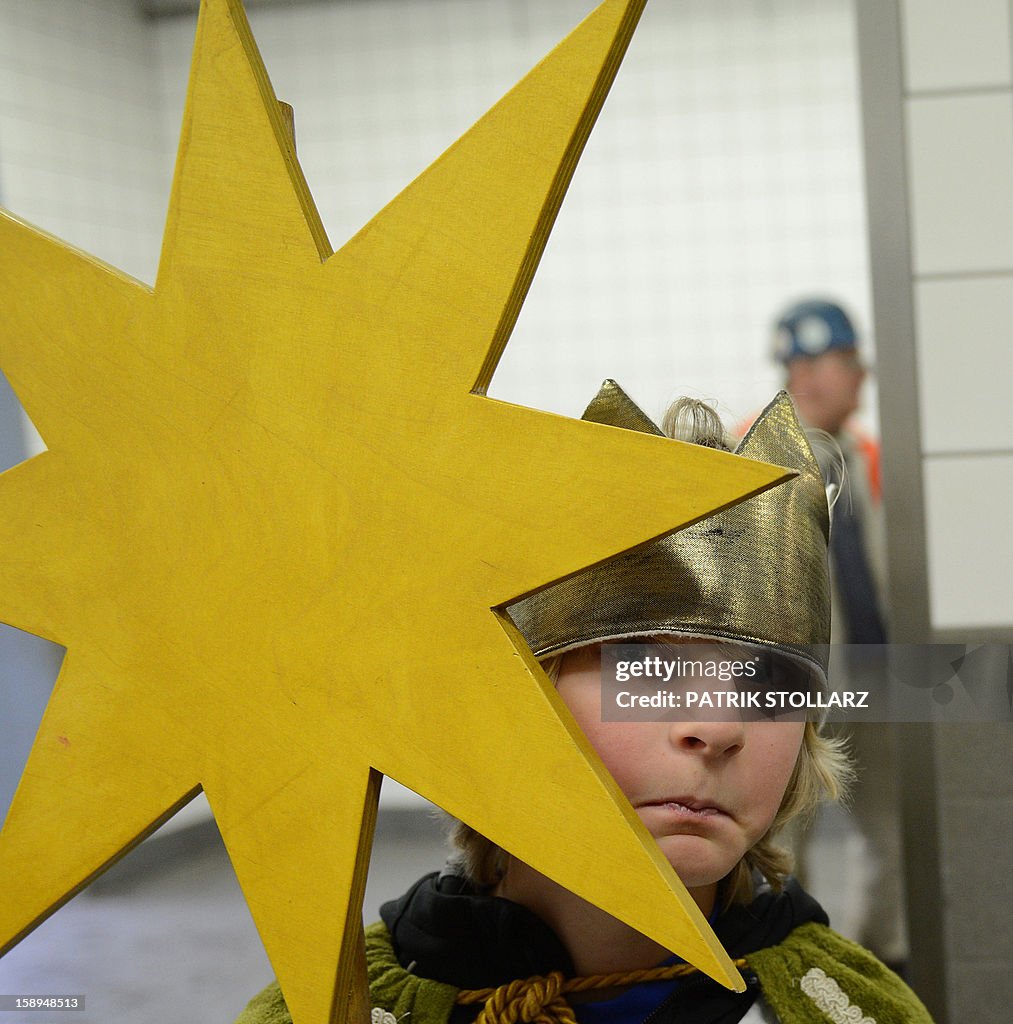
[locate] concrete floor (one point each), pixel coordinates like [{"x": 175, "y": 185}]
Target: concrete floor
[{"x": 164, "y": 937}]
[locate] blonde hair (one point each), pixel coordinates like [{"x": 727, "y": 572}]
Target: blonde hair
[{"x": 823, "y": 772}]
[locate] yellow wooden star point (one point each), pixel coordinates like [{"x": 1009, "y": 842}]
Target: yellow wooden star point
[{"x": 277, "y": 514}]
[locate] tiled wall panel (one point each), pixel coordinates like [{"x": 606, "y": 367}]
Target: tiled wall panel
[
  {"x": 960, "y": 152},
  {"x": 977, "y": 831},
  {"x": 981, "y": 991},
  {"x": 967, "y": 506},
  {"x": 951, "y": 45},
  {"x": 79, "y": 138},
  {"x": 964, "y": 355},
  {"x": 986, "y": 773}
]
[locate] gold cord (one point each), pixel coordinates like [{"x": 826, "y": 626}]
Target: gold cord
[{"x": 541, "y": 999}]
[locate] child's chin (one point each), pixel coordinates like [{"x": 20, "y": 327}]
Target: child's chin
[{"x": 698, "y": 861}]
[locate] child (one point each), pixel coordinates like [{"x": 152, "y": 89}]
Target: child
[{"x": 491, "y": 937}]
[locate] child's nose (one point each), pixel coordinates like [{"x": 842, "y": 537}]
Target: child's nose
[{"x": 709, "y": 739}]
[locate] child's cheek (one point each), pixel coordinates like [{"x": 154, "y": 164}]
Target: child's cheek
[{"x": 780, "y": 744}]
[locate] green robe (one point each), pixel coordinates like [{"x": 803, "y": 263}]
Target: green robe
[{"x": 813, "y": 977}]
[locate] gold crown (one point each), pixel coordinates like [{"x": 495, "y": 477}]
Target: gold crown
[{"x": 754, "y": 573}]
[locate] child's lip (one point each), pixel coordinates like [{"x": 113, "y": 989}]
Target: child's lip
[{"x": 690, "y": 803}]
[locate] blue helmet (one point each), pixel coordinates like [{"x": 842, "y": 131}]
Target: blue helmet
[{"x": 811, "y": 328}]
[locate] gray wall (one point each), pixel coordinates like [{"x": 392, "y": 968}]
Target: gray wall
[{"x": 937, "y": 84}]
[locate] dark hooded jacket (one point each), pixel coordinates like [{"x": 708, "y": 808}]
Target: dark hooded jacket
[
  {"x": 443, "y": 936},
  {"x": 449, "y": 933}
]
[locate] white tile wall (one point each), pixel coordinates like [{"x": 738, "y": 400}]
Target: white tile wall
[
  {"x": 79, "y": 145},
  {"x": 951, "y": 45},
  {"x": 964, "y": 359},
  {"x": 723, "y": 179},
  {"x": 960, "y": 150},
  {"x": 967, "y": 507}
]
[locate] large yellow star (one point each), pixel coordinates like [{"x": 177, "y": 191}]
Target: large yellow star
[{"x": 277, "y": 515}]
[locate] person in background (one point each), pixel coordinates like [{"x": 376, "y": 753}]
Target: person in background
[{"x": 816, "y": 342}]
